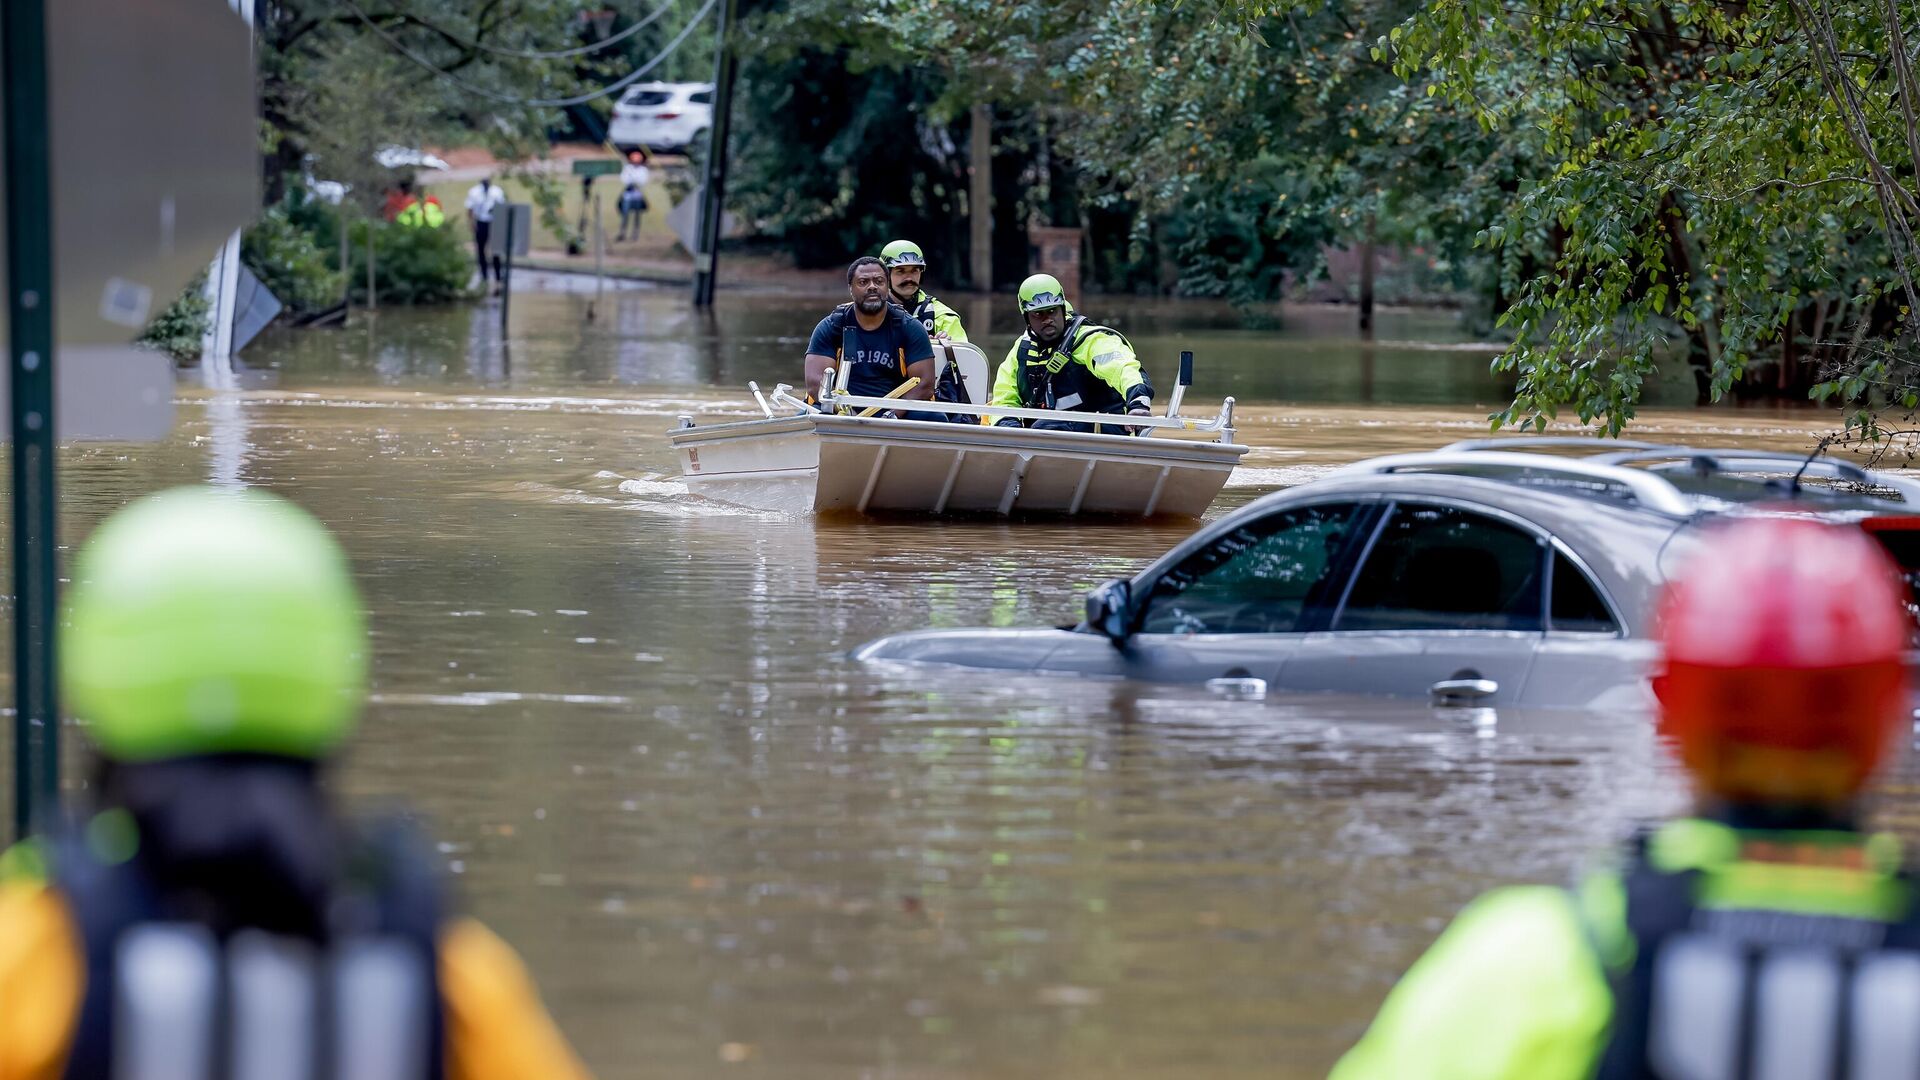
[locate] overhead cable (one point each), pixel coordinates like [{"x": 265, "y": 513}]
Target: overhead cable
[
  {"x": 563, "y": 54},
  {"x": 508, "y": 99}
]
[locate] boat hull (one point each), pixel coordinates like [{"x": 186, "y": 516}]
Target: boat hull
[{"x": 825, "y": 464}]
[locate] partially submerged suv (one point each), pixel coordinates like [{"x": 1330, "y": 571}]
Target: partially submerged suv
[{"x": 1488, "y": 573}]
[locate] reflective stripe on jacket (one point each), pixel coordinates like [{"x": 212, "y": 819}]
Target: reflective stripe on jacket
[
  {"x": 1648, "y": 972},
  {"x": 458, "y": 1003}
]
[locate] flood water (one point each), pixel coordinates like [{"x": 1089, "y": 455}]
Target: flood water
[{"x": 724, "y": 848}]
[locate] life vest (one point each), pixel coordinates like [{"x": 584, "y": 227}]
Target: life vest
[
  {"x": 925, "y": 312},
  {"x": 165, "y": 997},
  {"x": 1057, "y": 379},
  {"x": 1740, "y": 987}
]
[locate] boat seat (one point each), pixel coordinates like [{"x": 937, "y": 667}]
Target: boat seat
[{"x": 975, "y": 372}]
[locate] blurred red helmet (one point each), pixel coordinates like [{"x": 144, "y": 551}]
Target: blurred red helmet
[{"x": 1785, "y": 679}]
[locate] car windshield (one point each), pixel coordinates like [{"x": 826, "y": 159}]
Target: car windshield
[
  {"x": 1263, "y": 577},
  {"x": 647, "y": 97}
]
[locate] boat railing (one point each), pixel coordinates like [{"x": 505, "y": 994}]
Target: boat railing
[{"x": 1220, "y": 424}]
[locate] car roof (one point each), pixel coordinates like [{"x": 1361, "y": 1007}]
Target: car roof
[{"x": 1626, "y": 512}]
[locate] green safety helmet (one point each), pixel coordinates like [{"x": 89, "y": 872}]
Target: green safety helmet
[
  {"x": 1042, "y": 291},
  {"x": 203, "y": 621},
  {"x": 902, "y": 253}
]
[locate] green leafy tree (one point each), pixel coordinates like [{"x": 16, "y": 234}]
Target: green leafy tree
[{"x": 1738, "y": 178}]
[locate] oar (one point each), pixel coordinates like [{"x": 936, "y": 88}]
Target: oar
[{"x": 893, "y": 393}]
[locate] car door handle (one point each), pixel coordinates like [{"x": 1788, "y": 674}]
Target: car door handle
[
  {"x": 1239, "y": 688},
  {"x": 1462, "y": 691}
]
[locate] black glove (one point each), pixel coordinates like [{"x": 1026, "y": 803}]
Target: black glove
[{"x": 1008, "y": 421}]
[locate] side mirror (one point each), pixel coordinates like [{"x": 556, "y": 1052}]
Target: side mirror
[{"x": 1110, "y": 610}]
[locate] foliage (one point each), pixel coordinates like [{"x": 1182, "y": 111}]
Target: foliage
[
  {"x": 289, "y": 259},
  {"x": 180, "y": 328},
  {"x": 1738, "y": 176},
  {"x": 335, "y": 88},
  {"x": 410, "y": 266}
]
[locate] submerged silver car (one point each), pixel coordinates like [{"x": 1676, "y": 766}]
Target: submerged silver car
[{"x": 1494, "y": 572}]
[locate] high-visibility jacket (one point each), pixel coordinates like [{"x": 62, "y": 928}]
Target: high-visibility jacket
[
  {"x": 1092, "y": 369},
  {"x": 92, "y": 987},
  {"x": 937, "y": 317},
  {"x": 422, "y": 213},
  {"x": 1714, "y": 952}
]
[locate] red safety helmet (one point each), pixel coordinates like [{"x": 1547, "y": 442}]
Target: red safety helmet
[{"x": 1785, "y": 677}]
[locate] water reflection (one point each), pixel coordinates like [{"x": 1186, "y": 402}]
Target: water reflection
[{"x": 652, "y": 338}]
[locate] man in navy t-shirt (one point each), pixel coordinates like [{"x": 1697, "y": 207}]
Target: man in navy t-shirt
[{"x": 873, "y": 344}]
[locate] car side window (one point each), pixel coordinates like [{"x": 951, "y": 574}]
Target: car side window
[
  {"x": 1444, "y": 568},
  {"x": 1576, "y": 607},
  {"x": 701, "y": 97},
  {"x": 1261, "y": 578}
]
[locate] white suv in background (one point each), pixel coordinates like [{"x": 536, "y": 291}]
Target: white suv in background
[{"x": 662, "y": 116}]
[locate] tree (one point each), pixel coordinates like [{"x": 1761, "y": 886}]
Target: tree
[{"x": 1741, "y": 176}]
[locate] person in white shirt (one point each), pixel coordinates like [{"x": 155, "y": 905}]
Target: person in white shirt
[
  {"x": 633, "y": 192},
  {"x": 482, "y": 200}
]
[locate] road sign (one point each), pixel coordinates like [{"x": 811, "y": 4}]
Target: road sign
[
  {"x": 154, "y": 151},
  {"x": 130, "y": 154}
]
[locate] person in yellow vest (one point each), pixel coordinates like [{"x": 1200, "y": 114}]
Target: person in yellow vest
[
  {"x": 424, "y": 212},
  {"x": 211, "y": 914},
  {"x": 1065, "y": 362},
  {"x": 1769, "y": 934}
]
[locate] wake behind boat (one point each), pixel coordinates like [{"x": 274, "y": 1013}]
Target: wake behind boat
[{"x": 832, "y": 458}]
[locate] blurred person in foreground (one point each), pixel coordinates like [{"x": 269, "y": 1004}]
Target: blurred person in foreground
[
  {"x": 213, "y": 916},
  {"x": 875, "y": 344},
  {"x": 1768, "y": 935},
  {"x": 1065, "y": 362}
]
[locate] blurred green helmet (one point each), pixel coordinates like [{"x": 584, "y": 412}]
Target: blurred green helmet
[
  {"x": 203, "y": 621},
  {"x": 1042, "y": 291},
  {"x": 902, "y": 253}
]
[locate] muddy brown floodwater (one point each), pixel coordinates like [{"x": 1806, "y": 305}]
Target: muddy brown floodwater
[{"x": 725, "y": 849}]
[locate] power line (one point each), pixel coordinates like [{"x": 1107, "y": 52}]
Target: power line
[
  {"x": 508, "y": 99},
  {"x": 563, "y": 54}
]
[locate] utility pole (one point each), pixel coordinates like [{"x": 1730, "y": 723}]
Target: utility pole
[
  {"x": 714, "y": 190},
  {"x": 29, "y": 217},
  {"x": 980, "y": 198}
]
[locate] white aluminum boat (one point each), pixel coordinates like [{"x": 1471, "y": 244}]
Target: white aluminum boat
[{"x": 831, "y": 459}]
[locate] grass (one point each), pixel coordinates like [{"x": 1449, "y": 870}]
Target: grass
[{"x": 653, "y": 226}]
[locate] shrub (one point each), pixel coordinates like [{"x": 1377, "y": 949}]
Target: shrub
[
  {"x": 290, "y": 260},
  {"x": 411, "y": 266},
  {"x": 180, "y": 327}
]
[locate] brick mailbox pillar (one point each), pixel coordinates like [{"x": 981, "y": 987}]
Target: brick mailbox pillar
[{"x": 1056, "y": 251}]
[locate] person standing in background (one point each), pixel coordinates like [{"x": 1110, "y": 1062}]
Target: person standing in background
[
  {"x": 482, "y": 200},
  {"x": 634, "y": 176}
]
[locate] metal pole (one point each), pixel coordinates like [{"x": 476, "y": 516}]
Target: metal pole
[
  {"x": 506, "y": 273},
  {"x": 599, "y": 251},
  {"x": 29, "y": 216},
  {"x": 714, "y": 189},
  {"x": 373, "y": 297}
]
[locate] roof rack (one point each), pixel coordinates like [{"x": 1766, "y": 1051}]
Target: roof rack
[
  {"x": 1650, "y": 490},
  {"x": 1648, "y": 487},
  {"x": 1706, "y": 462}
]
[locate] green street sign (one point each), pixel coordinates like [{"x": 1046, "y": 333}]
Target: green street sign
[{"x": 595, "y": 167}]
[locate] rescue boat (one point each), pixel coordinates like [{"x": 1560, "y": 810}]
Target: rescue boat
[{"x": 839, "y": 457}]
